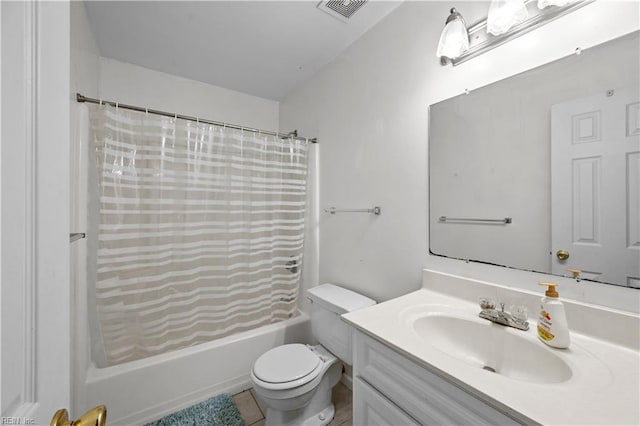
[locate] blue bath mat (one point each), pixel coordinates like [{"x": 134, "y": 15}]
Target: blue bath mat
[{"x": 217, "y": 411}]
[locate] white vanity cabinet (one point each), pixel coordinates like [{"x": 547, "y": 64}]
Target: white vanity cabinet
[{"x": 390, "y": 389}]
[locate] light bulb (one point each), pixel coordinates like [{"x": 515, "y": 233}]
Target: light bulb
[
  {"x": 559, "y": 3},
  {"x": 504, "y": 14},
  {"x": 454, "y": 40}
]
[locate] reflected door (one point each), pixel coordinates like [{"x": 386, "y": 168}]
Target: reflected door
[{"x": 595, "y": 193}]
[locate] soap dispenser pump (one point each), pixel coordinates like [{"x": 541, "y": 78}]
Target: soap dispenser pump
[{"x": 552, "y": 321}]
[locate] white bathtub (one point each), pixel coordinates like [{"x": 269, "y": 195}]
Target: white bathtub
[{"x": 145, "y": 390}]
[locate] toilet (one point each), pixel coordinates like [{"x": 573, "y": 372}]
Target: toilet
[{"x": 294, "y": 381}]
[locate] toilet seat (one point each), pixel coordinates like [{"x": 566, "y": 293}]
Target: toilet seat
[{"x": 287, "y": 366}]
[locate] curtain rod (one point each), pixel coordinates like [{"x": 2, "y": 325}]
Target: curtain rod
[{"x": 293, "y": 134}]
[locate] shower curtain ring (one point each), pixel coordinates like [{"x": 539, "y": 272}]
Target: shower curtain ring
[
  {"x": 146, "y": 111},
  {"x": 116, "y": 106},
  {"x": 100, "y": 101}
]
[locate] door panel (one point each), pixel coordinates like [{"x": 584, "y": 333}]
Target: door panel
[{"x": 595, "y": 193}]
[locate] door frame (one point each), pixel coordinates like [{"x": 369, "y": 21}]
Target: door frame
[{"x": 34, "y": 181}]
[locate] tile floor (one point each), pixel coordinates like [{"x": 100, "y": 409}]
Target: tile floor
[{"x": 252, "y": 411}]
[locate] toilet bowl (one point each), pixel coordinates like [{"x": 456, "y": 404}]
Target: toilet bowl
[
  {"x": 289, "y": 377},
  {"x": 294, "y": 381}
]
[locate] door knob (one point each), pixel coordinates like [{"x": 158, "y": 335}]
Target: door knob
[
  {"x": 95, "y": 417},
  {"x": 562, "y": 254}
]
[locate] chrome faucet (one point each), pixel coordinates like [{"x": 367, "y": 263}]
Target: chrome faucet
[{"x": 517, "y": 319}]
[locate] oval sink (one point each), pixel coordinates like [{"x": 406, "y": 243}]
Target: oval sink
[{"x": 492, "y": 347}]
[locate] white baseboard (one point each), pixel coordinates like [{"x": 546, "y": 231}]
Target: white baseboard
[{"x": 347, "y": 380}]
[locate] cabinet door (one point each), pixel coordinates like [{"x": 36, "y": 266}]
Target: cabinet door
[
  {"x": 372, "y": 409},
  {"x": 424, "y": 396}
]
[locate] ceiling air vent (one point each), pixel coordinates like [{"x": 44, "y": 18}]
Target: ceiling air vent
[{"x": 341, "y": 9}]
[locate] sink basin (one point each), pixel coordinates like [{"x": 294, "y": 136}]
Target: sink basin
[{"x": 492, "y": 347}]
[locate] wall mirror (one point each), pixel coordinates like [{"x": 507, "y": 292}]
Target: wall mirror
[{"x": 541, "y": 171}]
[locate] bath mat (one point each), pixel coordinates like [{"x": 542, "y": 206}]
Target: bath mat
[{"x": 217, "y": 411}]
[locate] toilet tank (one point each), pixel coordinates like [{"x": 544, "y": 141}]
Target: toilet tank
[{"x": 328, "y": 302}]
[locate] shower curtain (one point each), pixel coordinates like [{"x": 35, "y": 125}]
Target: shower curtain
[{"x": 200, "y": 231}]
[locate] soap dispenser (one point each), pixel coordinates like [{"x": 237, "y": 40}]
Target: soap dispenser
[{"x": 552, "y": 321}]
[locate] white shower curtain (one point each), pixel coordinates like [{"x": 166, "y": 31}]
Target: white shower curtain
[{"x": 200, "y": 231}]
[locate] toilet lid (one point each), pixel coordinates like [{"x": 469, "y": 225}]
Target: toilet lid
[{"x": 286, "y": 363}]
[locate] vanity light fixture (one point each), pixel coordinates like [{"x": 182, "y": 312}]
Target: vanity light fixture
[
  {"x": 454, "y": 40},
  {"x": 486, "y": 35}
]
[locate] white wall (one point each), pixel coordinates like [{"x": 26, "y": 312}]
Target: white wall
[
  {"x": 134, "y": 85},
  {"x": 369, "y": 110},
  {"x": 53, "y": 288},
  {"x": 84, "y": 79}
]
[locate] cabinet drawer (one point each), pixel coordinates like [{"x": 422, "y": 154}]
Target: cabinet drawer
[
  {"x": 370, "y": 408},
  {"x": 423, "y": 395}
]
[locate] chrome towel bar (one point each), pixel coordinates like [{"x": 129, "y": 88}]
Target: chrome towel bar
[
  {"x": 461, "y": 219},
  {"x": 333, "y": 210}
]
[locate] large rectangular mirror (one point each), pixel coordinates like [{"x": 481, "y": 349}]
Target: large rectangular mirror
[{"x": 541, "y": 171}]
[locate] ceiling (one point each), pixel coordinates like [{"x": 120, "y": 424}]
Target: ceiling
[{"x": 263, "y": 48}]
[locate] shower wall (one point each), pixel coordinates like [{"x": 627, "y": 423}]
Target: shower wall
[
  {"x": 135, "y": 85},
  {"x": 105, "y": 78}
]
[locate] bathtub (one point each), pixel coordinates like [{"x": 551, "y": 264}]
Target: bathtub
[{"x": 145, "y": 390}]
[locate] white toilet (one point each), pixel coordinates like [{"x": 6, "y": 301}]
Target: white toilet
[{"x": 294, "y": 381}]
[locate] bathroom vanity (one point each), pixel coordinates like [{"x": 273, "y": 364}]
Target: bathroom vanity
[
  {"x": 428, "y": 358},
  {"x": 391, "y": 389}
]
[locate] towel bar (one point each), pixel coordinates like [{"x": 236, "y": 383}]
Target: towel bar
[
  {"x": 460, "y": 219},
  {"x": 333, "y": 210}
]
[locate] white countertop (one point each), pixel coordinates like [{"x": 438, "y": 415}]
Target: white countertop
[{"x": 604, "y": 387}]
